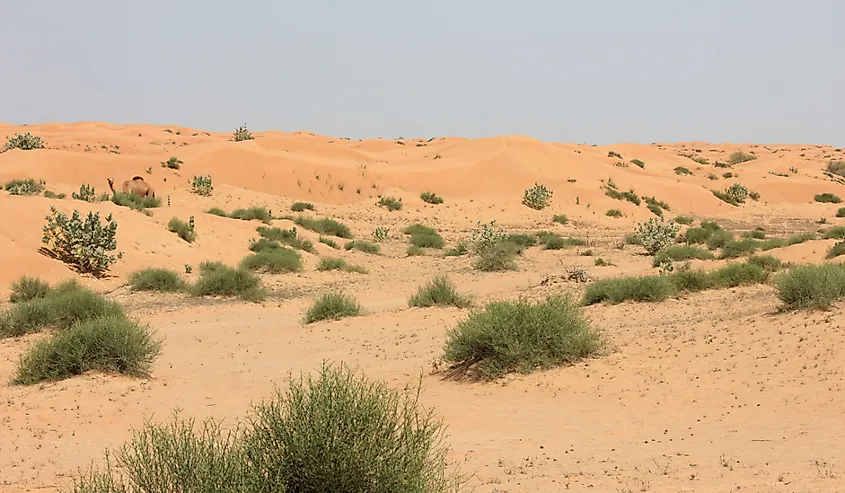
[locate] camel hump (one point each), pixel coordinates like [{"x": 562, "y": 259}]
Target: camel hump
[{"x": 137, "y": 178}]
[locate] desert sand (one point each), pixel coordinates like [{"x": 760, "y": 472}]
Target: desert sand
[{"x": 715, "y": 391}]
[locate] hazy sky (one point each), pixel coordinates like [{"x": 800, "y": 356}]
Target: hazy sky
[{"x": 589, "y": 71}]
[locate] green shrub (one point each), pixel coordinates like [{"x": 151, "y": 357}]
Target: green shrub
[
  {"x": 739, "y": 157},
  {"x": 332, "y": 306},
  {"x": 499, "y": 257},
  {"x": 328, "y": 241},
  {"x": 836, "y": 250},
  {"x": 135, "y": 202},
  {"x": 61, "y": 307},
  {"x": 82, "y": 244},
  {"x": 836, "y": 232},
  {"x": 560, "y": 219},
  {"x": 24, "y": 187},
  {"x": 757, "y": 234},
  {"x": 172, "y": 163},
  {"x": 726, "y": 197},
  {"x": 719, "y": 239},
  {"x": 262, "y": 244},
  {"x": 643, "y": 289},
  {"x": 639, "y": 163},
  {"x": 680, "y": 170},
  {"x": 28, "y": 288},
  {"x": 811, "y": 286},
  {"x": 218, "y": 279},
  {"x": 346, "y": 434},
  {"x": 149, "y": 279},
  {"x": 201, "y": 185},
  {"x": 840, "y": 212},
  {"x": 657, "y": 234},
  {"x": 827, "y": 198},
  {"x": 614, "y": 213},
  {"x": 738, "y": 248},
  {"x": 255, "y": 212},
  {"x": 391, "y": 203},
  {"x": 274, "y": 261},
  {"x": 630, "y": 196},
  {"x": 739, "y": 274},
  {"x": 431, "y": 198},
  {"x": 287, "y": 237},
  {"x": 242, "y": 134},
  {"x": 325, "y": 227},
  {"x": 363, "y": 246},
  {"x": 695, "y": 236},
  {"x": 337, "y": 263},
  {"x": 415, "y": 251},
  {"x": 737, "y": 192},
  {"x": 836, "y": 167},
  {"x": 424, "y": 236},
  {"x": 508, "y": 336},
  {"x": 86, "y": 193},
  {"x": 555, "y": 242},
  {"x": 681, "y": 252},
  {"x": 685, "y": 220},
  {"x": 767, "y": 262},
  {"x": 302, "y": 206},
  {"x": 24, "y": 142},
  {"x": 217, "y": 212},
  {"x": 182, "y": 229},
  {"x": 106, "y": 343},
  {"x": 440, "y": 291},
  {"x": 537, "y": 197},
  {"x": 521, "y": 241}
]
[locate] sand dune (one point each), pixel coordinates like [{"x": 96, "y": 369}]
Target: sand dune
[{"x": 665, "y": 397}]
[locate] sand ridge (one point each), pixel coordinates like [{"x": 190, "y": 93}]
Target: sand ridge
[{"x": 713, "y": 391}]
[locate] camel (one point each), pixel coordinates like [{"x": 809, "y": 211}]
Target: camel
[{"x": 136, "y": 186}]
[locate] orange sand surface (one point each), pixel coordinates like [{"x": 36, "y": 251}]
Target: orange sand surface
[{"x": 714, "y": 391}]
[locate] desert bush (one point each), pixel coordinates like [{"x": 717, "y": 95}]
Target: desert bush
[
  {"x": 836, "y": 232},
  {"x": 280, "y": 260},
  {"x": 83, "y": 244},
  {"x": 617, "y": 290},
  {"x": 537, "y": 197},
  {"x": 431, "y": 198},
  {"x": 738, "y": 192},
  {"x": 328, "y": 241},
  {"x": 521, "y": 240},
  {"x": 286, "y": 236},
  {"x": 767, "y": 262},
  {"x": 183, "y": 230},
  {"x": 685, "y": 220},
  {"x": 135, "y": 202},
  {"x": 639, "y": 163},
  {"x": 262, "y": 244},
  {"x": 380, "y": 234},
  {"x": 337, "y": 263},
  {"x": 739, "y": 157},
  {"x": 508, "y": 336},
  {"x": 28, "y": 288},
  {"x": 738, "y": 248},
  {"x": 61, "y": 307},
  {"x": 172, "y": 163},
  {"x": 151, "y": 279},
  {"x": 840, "y": 212},
  {"x": 24, "y": 187},
  {"x": 363, "y": 246},
  {"x": 201, "y": 185},
  {"x": 739, "y": 274},
  {"x": 414, "y": 251},
  {"x": 719, "y": 238},
  {"x": 423, "y": 236},
  {"x": 459, "y": 249},
  {"x": 252, "y": 213},
  {"x": 391, "y": 203},
  {"x": 680, "y": 170},
  {"x": 106, "y": 343},
  {"x": 217, "y": 212},
  {"x": 241, "y": 134},
  {"x": 555, "y": 242},
  {"x": 86, "y": 193},
  {"x": 497, "y": 258},
  {"x": 346, "y": 434},
  {"x": 325, "y": 226},
  {"x": 440, "y": 291},
  {"x": 24, "y": 142},
  {"x": 811, "y": 286},
  {"x": 757, "y": 234},
  {"x": 630, "y": 196},
  {"x": 560, "y": 219},
  {"x": 614, "y": 213},
  {"x": 657, "y": 234},
  {"x": 332, "y": 306},
  {"x": 681, "y": 252},
  {"x": 828, "y": 198},
  {"x": 218, "y": 279},
  {"x": 302, "y": 206},
  {"x": 836, "y": 250},
  {"x": 486, "y": 236}
]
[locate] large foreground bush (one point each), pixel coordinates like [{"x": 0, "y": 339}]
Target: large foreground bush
[
  {"x": 507, "y": 336},
  {"x": 339, "y": 433},
  {"x": 84, "y": 244},
  {"x": 811, "y": 286}
]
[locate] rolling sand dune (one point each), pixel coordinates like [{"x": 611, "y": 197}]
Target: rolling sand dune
[{"x": 714, "y": 391}]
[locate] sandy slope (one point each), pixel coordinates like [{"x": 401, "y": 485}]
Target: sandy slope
[{"x": 713, "y": 392}]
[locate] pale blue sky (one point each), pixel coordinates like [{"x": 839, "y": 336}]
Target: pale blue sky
[{"x": 591, "y": 71}]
